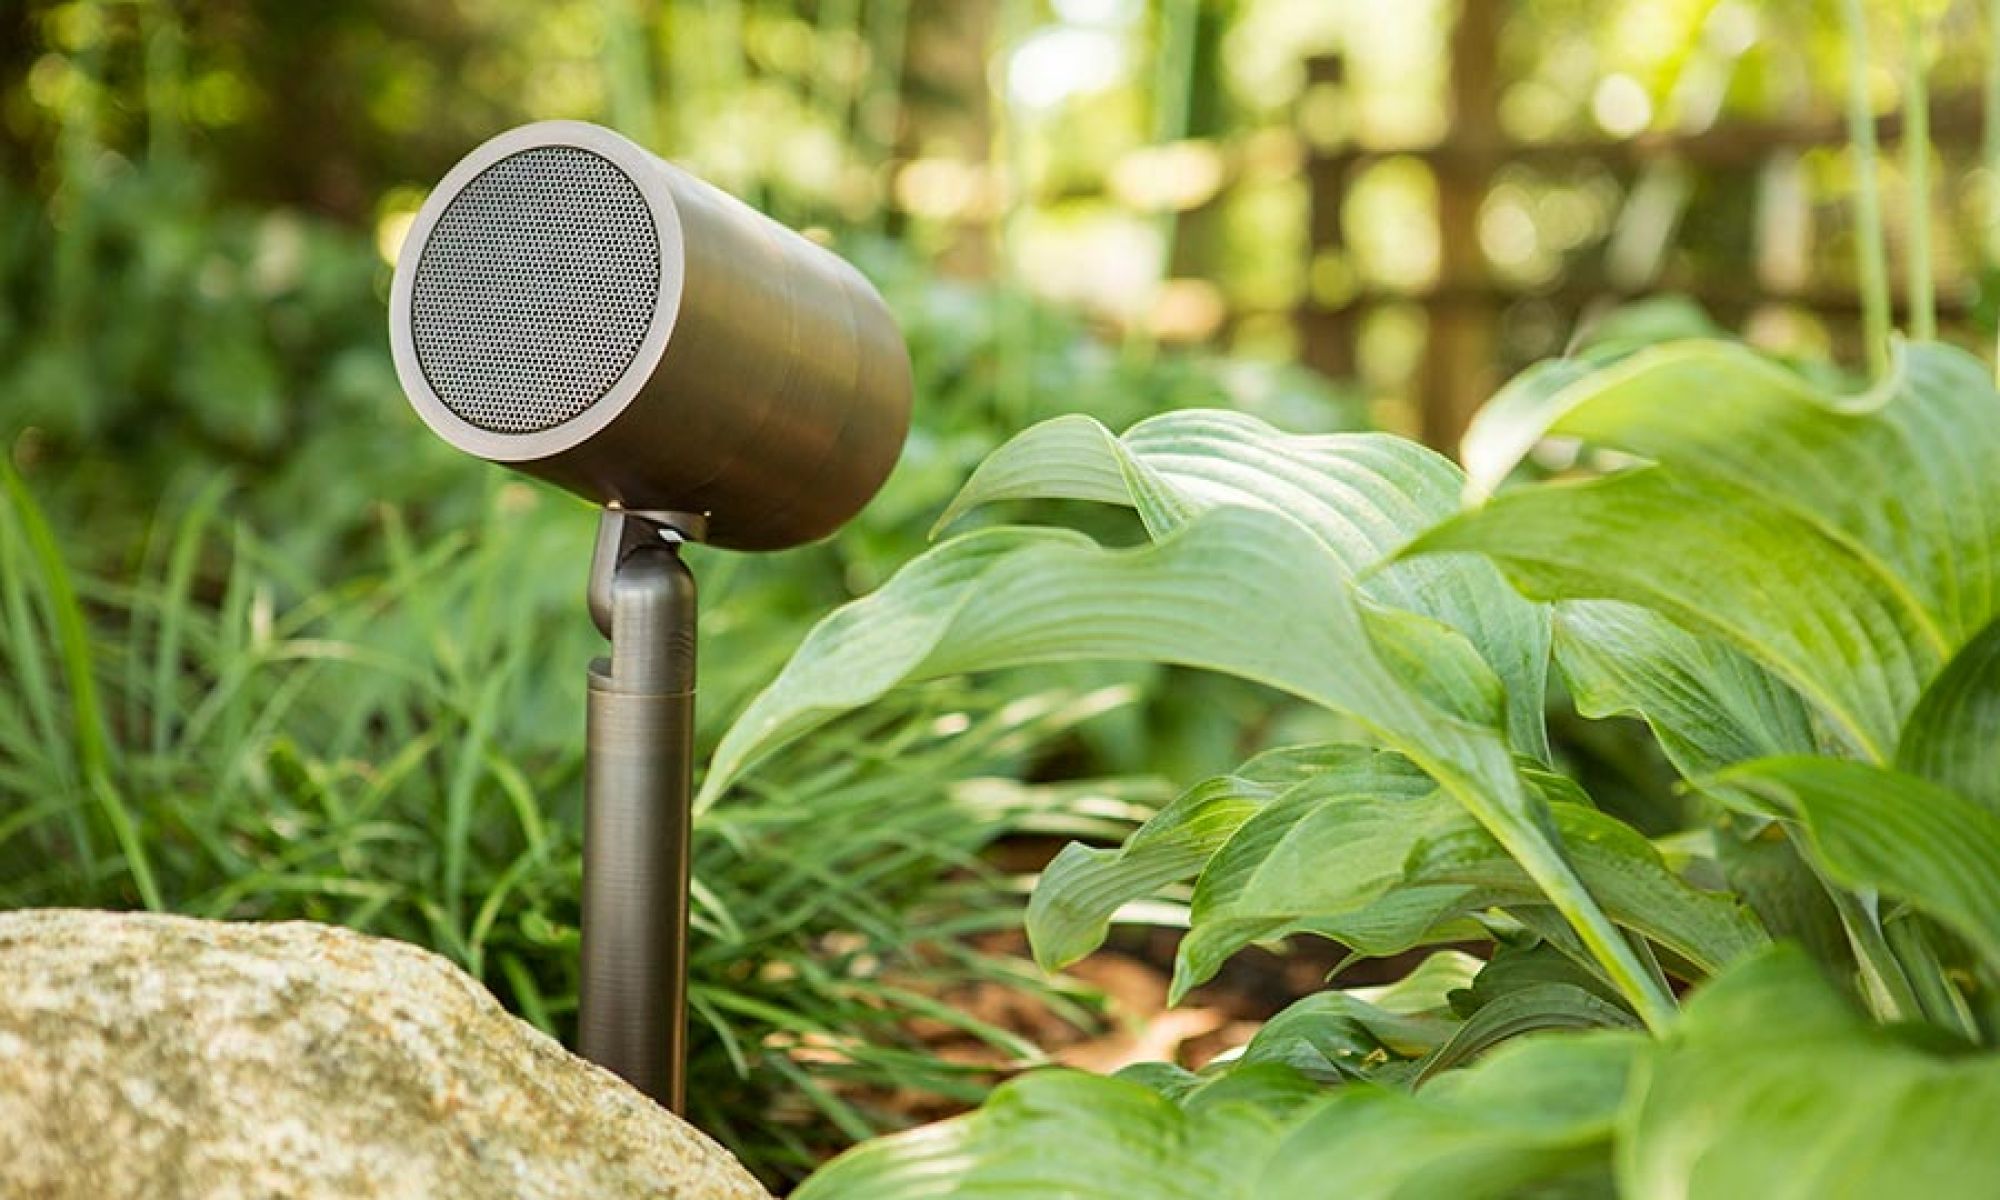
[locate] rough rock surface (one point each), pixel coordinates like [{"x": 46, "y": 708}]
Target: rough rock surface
[{"x": 162, "y": 1057}]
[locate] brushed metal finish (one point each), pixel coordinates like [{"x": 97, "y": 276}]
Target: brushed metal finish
[
  {"x": 637, "y": 825},
  {"x": 770, "y": 394}
]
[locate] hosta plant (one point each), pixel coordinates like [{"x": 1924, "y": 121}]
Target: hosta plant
[{"x": 1795, "y": 590}]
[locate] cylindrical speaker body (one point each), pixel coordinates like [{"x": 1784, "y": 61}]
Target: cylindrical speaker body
[{"x": 573, "y": 306}]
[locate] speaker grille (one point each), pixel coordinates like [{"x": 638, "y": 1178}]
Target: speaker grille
[{"x": 535, "y": 289}]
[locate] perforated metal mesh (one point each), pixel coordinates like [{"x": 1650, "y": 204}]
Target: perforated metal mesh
[{"x": 535, "y": 289}]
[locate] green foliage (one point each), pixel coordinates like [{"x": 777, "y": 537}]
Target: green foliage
[
  {"x": 399, "y": 752},
  {"x": 1794, "y": 589},
  {"x": 1258, "y": 571},
  {"x": 1769, "y": 1085},
  {"x": 1772, "y": 1085},
  {"x": 1874, "y": 828},
  {"x": 1536, "y": 1114},
  {"x": 270, "y": 650}
]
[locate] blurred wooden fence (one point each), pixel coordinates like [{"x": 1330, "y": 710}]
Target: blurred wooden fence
[{"x": 1465, "y": 303}]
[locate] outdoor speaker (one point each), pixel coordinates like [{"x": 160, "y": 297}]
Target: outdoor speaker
[{"x": 569, "y": 304}]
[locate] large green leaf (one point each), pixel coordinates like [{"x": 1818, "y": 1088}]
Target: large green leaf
[
  {"x": 1069, "y": 1134},
  {"x": 1705, "y": 930},
  {"x": 1722, "y": 562},
  {"x": 1363, "y": 495},
  {"x": 1906, "y": 474},
  {"x": 1539, "y": 1112},
  {"x": 1709, "y": 706},
  {"x": 1084, "y": 887},
  {"x": 1771, "y": 1086},
  {"x": 1537, "y": 1007},
  {"x": 1953, "y": 736},
  {"x": 1239, "y": 590},
  {"x": 1536, "y": 1113},
  {"x": 1327, "y": 854},
  {"x": 1876, "y": 827},
  {"x": 861, "y": 650},
  {"x": 1332, "y": 1036},
  {"x": 1764, "y": 865},
  {"x": 1846, "y": 543},
  {"x": 1327, "y": 849}
]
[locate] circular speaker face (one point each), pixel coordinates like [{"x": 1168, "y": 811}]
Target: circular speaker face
[{"x": 535, "y": 289}]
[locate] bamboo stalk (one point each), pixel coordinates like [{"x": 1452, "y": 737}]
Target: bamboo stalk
[
  {"x": 79, "y": 138},
  {"x": 888, "y": 42},
  {"x": 1872, "y": 263},
  {"x": 1992, "y": 143},
  {"x": 1173, "y": 93},
  {"x": 1917, "y": 167},
  {"x": 1991, "y": 139},
  {"x": 1008, "y": 162},
  {"x": 832, "y": 94},
  {"x": 628, "y": 71},
  {"x": 1173, "y": 81},
  {"x": 729, "y": 61},
  {"x": 166, "y": 72}
]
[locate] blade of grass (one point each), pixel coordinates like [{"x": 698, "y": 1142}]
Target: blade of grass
[
  {"x": 93, "y": 745},
  {"x": 527, "y": 995},
  {"x": 34, "y": 687},
  {"x": 176, "y": 601}
]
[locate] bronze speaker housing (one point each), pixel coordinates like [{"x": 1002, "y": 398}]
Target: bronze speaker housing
[{"x": 764, "y": 385}]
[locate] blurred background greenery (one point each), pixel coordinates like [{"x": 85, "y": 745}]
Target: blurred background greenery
[{"x": 268, "y": 649}]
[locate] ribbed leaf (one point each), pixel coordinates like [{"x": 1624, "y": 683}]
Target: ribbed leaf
[
  {"x": 1069, "y": 1134},
  {"x": 1540, "y": 1111},
  {"x": 1333, "y": 1036},
  {"x": 1083, "y": 887},
  {"x": 1537, "y": 1112},
  {"x": 1724, "y": 563},
  {"x": 1239, "y": 590},
  {"x": 1514, "y": 967},
  {"x": 1708, "y": 930},
  {"x": 1426, "y": 987},
  {"x": 1709, "y": 706},
  {"x": 1875, "y": 827},
  {"x": 1953, "y": 736},
  {"x": 1772, "y": 1087},
  {"x": 1402, "y": 919},
  {"x": 1509, "y": 425},
  {"x": 1536, "y": 1007},
  {"x": 864, "y": 648},
  {"x": 1332, "y": 849},
  {"x": 1363, "y": 495},
  {"x": 1863, "y": 527},
  {"x": 1765, "y": 866},
  {"x": 1907, "y": 473}
]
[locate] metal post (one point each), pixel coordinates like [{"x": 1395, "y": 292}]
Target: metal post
[{"x": 640, "y": 735}]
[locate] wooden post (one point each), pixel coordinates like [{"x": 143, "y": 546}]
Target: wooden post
[
  {"x": 947, "y": 103},
  {"x": 1326, "y": 331},
  {"x": 1459, "y": 370}
]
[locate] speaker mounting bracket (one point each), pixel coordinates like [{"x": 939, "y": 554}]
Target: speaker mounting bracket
[{"x": 639, "y": 755}]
